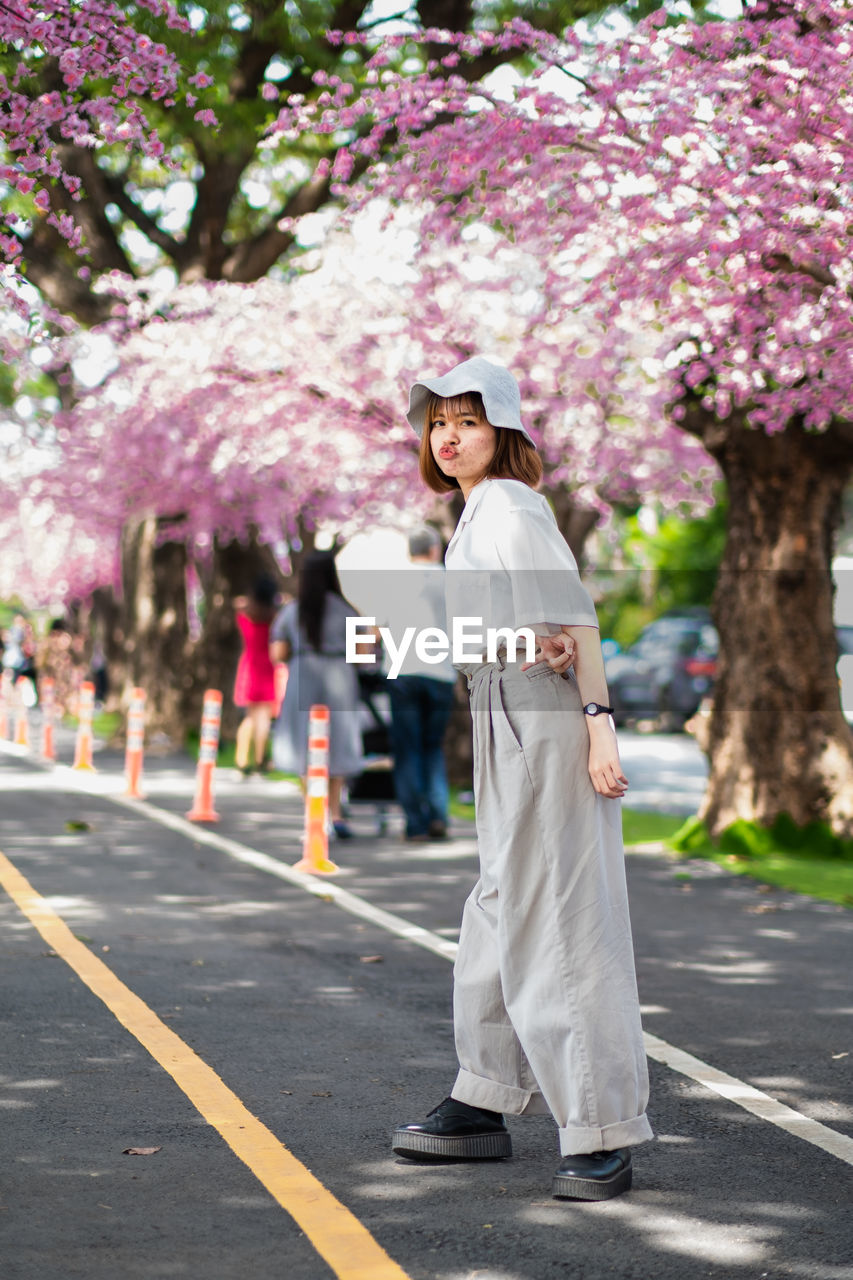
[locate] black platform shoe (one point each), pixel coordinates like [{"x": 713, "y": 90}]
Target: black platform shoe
[
  {"x": 598, "y": 1176},
  {"x": 454, "y": 1131}
]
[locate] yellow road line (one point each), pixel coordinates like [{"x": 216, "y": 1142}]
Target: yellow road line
[{"x": 336, "y": 1234}]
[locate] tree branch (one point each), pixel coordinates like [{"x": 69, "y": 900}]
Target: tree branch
[
  {"x": 117, "y": 193},
  {"x": 252, "y": 259}
]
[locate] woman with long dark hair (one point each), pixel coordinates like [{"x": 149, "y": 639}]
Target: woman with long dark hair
[{"x": 310, "y": 634}]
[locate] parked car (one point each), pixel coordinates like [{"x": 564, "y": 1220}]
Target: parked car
[{"x": 664, "y": 676}]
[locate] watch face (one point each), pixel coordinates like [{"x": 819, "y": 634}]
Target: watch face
[{"x": 591, "y": 708}]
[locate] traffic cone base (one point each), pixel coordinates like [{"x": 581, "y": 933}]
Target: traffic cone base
[
  {"x": 203, "y": 810},
  {"x": 315, "y": 850},
  {"x": 322, "y": 867},
  {"x": 83, "y": 753},
  {"x": 316, "y": 859},
  {"x": 133, "y": 772}
]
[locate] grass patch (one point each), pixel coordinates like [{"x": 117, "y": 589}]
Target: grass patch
[
  {"x": 804, "y": 873},
  {"x": 105, "y": 724},
  {"x": 460, "y": 804},
  {"x": 225, "y": 758},
  {"x": 638, "y": 826},
  {"x": 808, "y": 860},
  {"x": 819, "y": 865},
  {"x": 642, "y": 827}
]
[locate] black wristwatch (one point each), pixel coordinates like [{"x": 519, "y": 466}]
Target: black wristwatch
[{"x": 596, "y": 709}]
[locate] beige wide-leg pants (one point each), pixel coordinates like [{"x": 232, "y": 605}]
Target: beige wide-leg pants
[{"x": 546, "y": 1013}]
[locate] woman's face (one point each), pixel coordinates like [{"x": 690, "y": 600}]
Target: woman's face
[{"x": 463, "y": 443}]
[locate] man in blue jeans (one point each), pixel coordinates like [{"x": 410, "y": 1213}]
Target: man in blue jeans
[{"x": 421, "y": 696}]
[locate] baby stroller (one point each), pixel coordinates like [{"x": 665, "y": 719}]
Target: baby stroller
[{"x": 375, "y": 784}]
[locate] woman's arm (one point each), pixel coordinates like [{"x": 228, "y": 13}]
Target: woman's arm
[
  {"x": 280, "y": 651},
  {"x": 605, "y": 769}
]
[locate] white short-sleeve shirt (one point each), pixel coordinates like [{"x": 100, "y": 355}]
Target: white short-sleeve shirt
[{"x": 509, "y": 564}]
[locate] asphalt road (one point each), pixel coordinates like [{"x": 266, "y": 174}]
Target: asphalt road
[{"x": 329, "y": 1029}]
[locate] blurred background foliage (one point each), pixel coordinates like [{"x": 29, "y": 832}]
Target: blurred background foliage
[{"x": 663, "y": 564}]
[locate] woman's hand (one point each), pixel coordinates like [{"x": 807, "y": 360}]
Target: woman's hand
[
  {"x": 558, "y": 651},
  {"x": 605, "y": 769}
]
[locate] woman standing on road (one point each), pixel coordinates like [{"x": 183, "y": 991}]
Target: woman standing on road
[
  {"x": 546, "y": 1015},
  {"x": 310, "y": 634},
  {"x": 254, "y": 685}
]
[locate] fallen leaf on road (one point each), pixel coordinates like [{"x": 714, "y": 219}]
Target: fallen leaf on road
[
  {"x": 835, "y": 1056},
  {"x": 319, "y": 1093},
  {"x": 74, "y": 825},
  {"x": 141, "y": 1151},
  {"x": 289, "y": 1092},
  {"x": 371, "y": 959}
]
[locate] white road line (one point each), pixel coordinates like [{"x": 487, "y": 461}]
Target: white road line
[
  {"x": 321, "y": 887},
  {"x": 729, "y": 1087},
  {"x": 753, "y": 1100}
]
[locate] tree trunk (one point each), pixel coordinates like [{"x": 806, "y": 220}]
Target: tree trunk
[
  {"x": 156, "y": 627},
  {"x": 107, "y": 623},
  {"x": 779, "y": 742},
  {"x": 575, "y": 523}
]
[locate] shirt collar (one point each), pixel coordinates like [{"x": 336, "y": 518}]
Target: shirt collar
[{"x": 475, "y": 497}]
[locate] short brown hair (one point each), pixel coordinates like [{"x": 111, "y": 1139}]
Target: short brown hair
[{"x": 515, "y": 458}]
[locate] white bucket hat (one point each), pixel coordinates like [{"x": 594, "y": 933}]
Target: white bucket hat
[{"x": 497, "y": 386}]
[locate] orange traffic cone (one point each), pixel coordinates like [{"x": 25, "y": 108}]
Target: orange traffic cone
[
  {"x": 48, "y": 716},
  {"x": 211, "y": 715},
  {"x": 135, "y": 744},
  {"x": 22, "y": 723},
  {"x": 84, "y": 743},
  {"x": 315, "y": 854}
]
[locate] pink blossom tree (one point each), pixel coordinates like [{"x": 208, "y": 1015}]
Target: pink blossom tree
[
  {"x": 263, "y": 413},
  {"x": 72, "y": 77},
  {"x": 99, "y": 140},
  {"x": 697, "y": 184}
]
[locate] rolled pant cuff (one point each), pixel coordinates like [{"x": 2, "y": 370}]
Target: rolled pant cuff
[
  {"x": 625, "y": 1133},
  {"x": 493, "y": 1096}
]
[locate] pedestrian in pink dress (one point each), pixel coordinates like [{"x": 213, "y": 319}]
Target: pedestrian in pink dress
[{"x": 254, "y": 686}]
